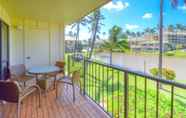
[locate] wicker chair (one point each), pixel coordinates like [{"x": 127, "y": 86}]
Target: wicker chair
[
  {"x": 10, "y": 91},
  {"x": 19, "y": 73},
  {"x": 70, "y": 80},
  {"x": 60, "y": 74}
]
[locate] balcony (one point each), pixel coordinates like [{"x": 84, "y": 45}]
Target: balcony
[
  {"x": 108, "y": 91},
  {"x": 37, "y": 28},
  {"x": 126, "y": 93},
  {"x": 62, "y": 107}
]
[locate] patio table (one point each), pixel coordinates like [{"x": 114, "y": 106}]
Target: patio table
[{"x": 43, "y": 71}]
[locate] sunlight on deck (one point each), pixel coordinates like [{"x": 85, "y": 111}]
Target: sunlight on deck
[{"x": 63, "y": 107}]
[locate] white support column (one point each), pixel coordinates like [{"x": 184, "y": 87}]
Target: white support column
[{"x": 62, "y": 41}]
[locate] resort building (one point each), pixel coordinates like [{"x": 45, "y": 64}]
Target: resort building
[
  {"x": 147, "y": 42},
  {"x": 70, "y": 44},
  {"x": 176, "y": 39},
  {"x": 150, "y": 42}
]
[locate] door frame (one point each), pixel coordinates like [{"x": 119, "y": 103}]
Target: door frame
[
  {"x": 26, "y": 48},
  {"x": 8, "y": 46}
]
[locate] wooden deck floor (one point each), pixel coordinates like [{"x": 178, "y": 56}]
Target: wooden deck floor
[{"x": 63, "y": 107}]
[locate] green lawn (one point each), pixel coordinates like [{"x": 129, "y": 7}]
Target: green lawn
[
  {"x": 176, "y": 53},
  {"x": 106, "y": 87}
]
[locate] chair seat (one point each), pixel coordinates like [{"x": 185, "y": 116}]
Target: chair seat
[
  {"x": 26, "y": 81},
  {"x": 25, "y": 78},
  {"x": 65, "y": 79},
  {"x": 58, "y": 75},
  {"x": 26, "y": 91}
]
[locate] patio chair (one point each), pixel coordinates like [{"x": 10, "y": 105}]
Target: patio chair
[
  {"x": 70, "y": 80},
  {"x": 61, "y": 65},
  {"x": 19, "y": 73},
  {"x": 60, "y": 74},
  {"x": 10, "y": 91}
]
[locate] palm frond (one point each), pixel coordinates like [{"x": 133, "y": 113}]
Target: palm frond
[{"x": 174, "y": 3}]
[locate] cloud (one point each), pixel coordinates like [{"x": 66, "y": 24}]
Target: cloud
[
  {"x": 182, "y": 7},
  {"x": 131, "y": 27},
  {"x": 147, "y": 16},
  {"x": 119, "y": 5}
]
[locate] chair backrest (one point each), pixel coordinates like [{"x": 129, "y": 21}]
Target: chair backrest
[
  {"x": 60, "y": 64},
  {"x": 18, "y": 70},
  {"x": 76, "y": 75},
  {"x": 9, "y": 91}
]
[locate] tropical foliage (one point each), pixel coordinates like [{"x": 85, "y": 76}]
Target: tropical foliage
[
  {"x": 96, "y": 22},
  {"x": 116, "y": 41},
  {"x": 169, "y": 74},
  {"x": 77, "y": 27}
]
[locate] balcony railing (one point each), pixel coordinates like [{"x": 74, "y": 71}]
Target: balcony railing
[{"x": 124, "y": 93}]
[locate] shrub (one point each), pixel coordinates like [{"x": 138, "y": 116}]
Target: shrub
[
  {"x": 170, "y": 54},
  {"x": 154, "y": 71},
  {"x": 169, "y": 74}
]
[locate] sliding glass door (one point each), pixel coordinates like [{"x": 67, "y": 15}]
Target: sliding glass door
[{"x": 4, "y": 50}]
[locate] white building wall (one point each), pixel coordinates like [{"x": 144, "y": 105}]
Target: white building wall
[
  {"x": 18, "y": 36},
  {"x": 19, "y": 28}
]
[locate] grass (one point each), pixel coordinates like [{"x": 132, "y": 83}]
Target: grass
[
  {"x": 176, "y": 53},
  {"x": 106, "y": 87}
]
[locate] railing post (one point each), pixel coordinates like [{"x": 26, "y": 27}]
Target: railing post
[
  {"x": 68, "y": 64},
  {"x": 126, "y": 95},
  {"x": 84, "y": 75}
]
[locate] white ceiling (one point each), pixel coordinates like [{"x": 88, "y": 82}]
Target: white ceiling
[{"x": 66, "y": 11}]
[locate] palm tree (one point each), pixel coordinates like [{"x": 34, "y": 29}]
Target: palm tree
[
  {"x": 174, "y": 4},
  {"x": 150, "y": 30},
  {"x": 128, "y": 33},
  {"x": 116, "y": 41},
  {"x": 138, "y": 34},
  {"x": 171, "y": 28},
  {"x": 76, "y": 26},
  {"x": 95, "y": 21}
]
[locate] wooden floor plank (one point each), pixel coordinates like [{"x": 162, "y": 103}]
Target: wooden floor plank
[{"x": 62, "y": 107}]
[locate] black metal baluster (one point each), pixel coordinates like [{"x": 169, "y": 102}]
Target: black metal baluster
[
  {"x": 126, "y": 95},
  {"x": 103, "y": 78},
  {"x": 112, "y": 92},
  {"x": 172, "y": 101},
  {"x": 107, "y": 88},
  {"x": 68, "y": 64},
  {"x": 145, "y": 99},
  {"x": 84, "y": 78},
  {"x": 89, "y": 67},
  {"x": 99, "y": 79},
  {"x": 118, "y": 110},
  {"x": 95, "y": 81},
  {"x": 135, "y": 99},
  {"x": 157, "y": 99},
  {"x": 92, "y": 75}
]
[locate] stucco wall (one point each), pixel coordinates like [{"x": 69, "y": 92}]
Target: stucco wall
[{"x": 18, "y": 34}]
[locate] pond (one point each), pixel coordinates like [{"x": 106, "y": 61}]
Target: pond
[{"x": 145, "y": 63}]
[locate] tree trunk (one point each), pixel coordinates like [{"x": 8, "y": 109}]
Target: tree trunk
[
  {"x": 161, "y": 38},
  {"x": 111, "y": 57},
  {"x": 93, "y": 37},
  {"x": 161, "y": 41},
  {"x": 77, "y": 38}
]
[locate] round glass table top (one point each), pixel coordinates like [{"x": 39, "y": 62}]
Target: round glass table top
[{"x": 44, "y": 70}]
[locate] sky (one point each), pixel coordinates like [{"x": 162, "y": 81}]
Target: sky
[{"x": 136, "y": 15}]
